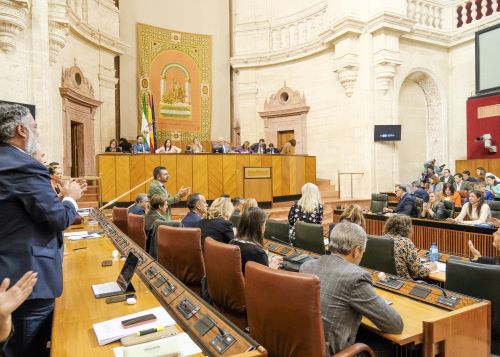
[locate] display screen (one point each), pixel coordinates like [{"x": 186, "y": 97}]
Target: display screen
[
  {"x": 487, "y": 60},
  {"x": 387, "y": 132}
]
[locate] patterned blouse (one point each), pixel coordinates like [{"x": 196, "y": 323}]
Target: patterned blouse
[
  {"x": 296, "y": 214},
  {"x": 408, "y": 264}
]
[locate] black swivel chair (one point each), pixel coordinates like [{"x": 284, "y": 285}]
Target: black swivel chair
[
  {"x": 495, "y": 208},
  {"x": 309, "y": 236},
  {"x": 379, "y": 201},
  {"x": 277, "y": 231},
  {"x": 480, "y": 281},
  {"x": 379, "y": 254},
  {"x": 449, "y": 207}
]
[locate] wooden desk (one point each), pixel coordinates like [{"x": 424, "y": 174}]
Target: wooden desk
[
  {"x": 77, "y": 309},
  {"x": 451, "y": 238},
  {"x": 210, "y": 174},
  {"x": 463, "y": 330}
]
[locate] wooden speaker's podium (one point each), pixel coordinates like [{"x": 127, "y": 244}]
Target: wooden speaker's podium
[{"x": 258, "y": 183}]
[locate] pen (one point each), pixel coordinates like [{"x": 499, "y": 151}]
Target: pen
[
  {"x": 150, "y": 330},
  {"x": 81, "y": 248}
]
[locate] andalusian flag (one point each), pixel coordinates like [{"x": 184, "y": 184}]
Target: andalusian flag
[
  {"x": 144, "y": 122},
  {"x": 151, "y": 139},
  {"x": 154, "y": 122}
]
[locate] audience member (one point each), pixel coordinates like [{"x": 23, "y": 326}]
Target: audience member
[
  {"x": 447, "y": 178},
  {"x": 353, "y": 214},
  {"x": 418, "y": 191},
  {"x": 460, "y": 184},
  {"x": 260, "y": 147},
  {"x": 481, "y": 173},
  {"x": 217, "y": 224},
  {"x": 31, "y": 226},
  {"x": 478, "y": 258},
  {"x": 248, "y": 203},
  {"x": 449, "y": 194},
  {"x": 141, "y": 205},
  {"x": 221, "y": 146},
  {"x": 198, "y": 207},
  {"x": 467, "y": 177},
  {"x": 10, "y": 300},
  {"x": 492, "y": 185},
  {"x": 158, "y": 208},
  {"x": 406, "y": 204},
  {"x": 56, "y": 180},
  {"x": 347, "y": 291},
  {"x": 289, "y": 147},
  {"x": 250, "y": 239},
  {"x": 408, "y": 264},
  {"x": 157, "y": 187},
  {"x": 426, "y": 177},
  {"x": 308, "y": 209},
  {"x": 436, "y": 185},
  {"x": 475, "y": 211},
  {"x": 168, "y": 148},
  {"x": 140, "y": 146},
  {"x": 237, "y": 204},
  {"x": 437, "y": 169},
  {"x": 113, "y": 146},
  {"x": 196, "y": 146},
  {"x": 125, "y": 146},
  {"x": 434, "y": 209},
  {"x": 271, "y": 149},
  {"x": 244, "y": 148}
]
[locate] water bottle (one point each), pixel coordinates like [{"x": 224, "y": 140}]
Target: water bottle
[{"x": 434, "y": 253}]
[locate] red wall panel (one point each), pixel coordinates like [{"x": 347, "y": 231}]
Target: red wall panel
[{"x": 477, "y": 127}]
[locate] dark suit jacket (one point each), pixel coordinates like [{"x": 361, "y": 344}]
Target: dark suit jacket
[
  {"x": 450, "y": 179},
  {"x": 190, "y": 220},
  {"x": 141, "y": 148},
  {"x": 272, "y": 151},
  {"x": 31, "y": 223},
  {"x": 136, "y": 209},
  {"x": 421, "y": 193},
  {"x": 255, "y": 148},
  {"x": 406, "y": 205},
  {"x": 219, "y": 229}
]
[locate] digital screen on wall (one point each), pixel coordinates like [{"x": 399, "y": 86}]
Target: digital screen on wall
[
  {"x": 488, "y": 60},
  {"x": 387, "y": 132},
  {"x": 30, "y": 107}
]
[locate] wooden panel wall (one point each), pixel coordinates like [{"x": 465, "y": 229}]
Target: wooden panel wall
[
  {"x": 209, "y": 174},
  {"x": 491, "y": 165}
]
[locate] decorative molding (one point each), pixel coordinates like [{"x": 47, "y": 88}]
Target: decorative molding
[
  {"x": 58, "y": 28},
  {"x": 386, "y": 62},
  {"x": 77, "y": 88},
  {"x": 347, "y": 68},
  {"x": 14, "y": 16}
]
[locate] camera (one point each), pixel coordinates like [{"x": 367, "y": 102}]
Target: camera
[{"x": 487, "y": 140}]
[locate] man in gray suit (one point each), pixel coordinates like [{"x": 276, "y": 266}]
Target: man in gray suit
[{"x": 346, "y": 291}]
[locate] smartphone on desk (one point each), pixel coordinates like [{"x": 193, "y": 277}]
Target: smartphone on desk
[{"x": 136, "y": 321}]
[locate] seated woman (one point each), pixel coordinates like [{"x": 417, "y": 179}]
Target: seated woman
[
  {"x": 492, "y": 185},
  {"x": 244, "y": 149},
  {"x": 353, "y": 214},
  {"x": 308, "y": 209},
  {"x": 217, "y": 224},
  {"x": 113, "y": 146},
  {"x": 248, "y": 203},
  {"x": 55, "y": 180},
  {"x": 408, "y": 264},
  {"x": 196, "y": 146},
  {"x": 478, "y": 258},
  {"x": 435, "y": 184},
  {"x": 251, "y": 239},
  {"x": 481, "y": 173},
  {"x": 449, "y": 194},
  {"x": 168, "y": 148},
  {"x": 434, "y": 209},
  {"x": 157, "y": 209},
  {"x": 475, "y": 211}
]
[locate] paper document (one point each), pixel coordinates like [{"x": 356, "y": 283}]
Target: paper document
[
  {"x": 88, "y": 236},
  {"x": 112, "y": 330},
  {"x": 76, "y": 234},
  {"x": 441, "y": 267},
  {"x": 106, "y": 288},
  {"x": 185, "y": 346}
]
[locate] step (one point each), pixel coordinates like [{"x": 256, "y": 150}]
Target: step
[
  {"x": 89, "y": 204},
  {"x": 89, "y": 197},
  {"x": 92, "y": 189}
]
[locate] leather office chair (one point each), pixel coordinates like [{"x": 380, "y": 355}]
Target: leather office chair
[
  {"x": 477, "y": 280},
  {"x": 120, "y": 218},
  {"x": 379, "y": 254},
  {"x": 277, "y": 231},
  {"x": 309, "y": 236},
  {"x": 294, "y": 328},
  {"x": 379, "y": 201},
  {"x": 179, "y": 251},
  {"x": 449, "y": 207},
  {"x": 136, "y": 229},
  {"x": 225, "y": 280},
  {"x": 495, "y": 208}
]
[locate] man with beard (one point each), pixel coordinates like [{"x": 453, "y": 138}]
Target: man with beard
[{"x": 31, "y": 226}]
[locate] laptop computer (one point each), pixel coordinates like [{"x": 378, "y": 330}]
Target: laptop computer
[{"x": 122, "y": 285}]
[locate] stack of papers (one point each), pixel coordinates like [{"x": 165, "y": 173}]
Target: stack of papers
[
  {"x": 81, "y": 235},
  {"x": 83, "y": 212},
  {"x": 112, "y": 330},
  {"x": 181, "y": 343},
  {"x": 441, "y": 267}
]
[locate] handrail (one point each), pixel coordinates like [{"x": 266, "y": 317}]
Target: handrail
[
  {"x": 348, "y": 173},
  {"x": 126, "y": 193}
]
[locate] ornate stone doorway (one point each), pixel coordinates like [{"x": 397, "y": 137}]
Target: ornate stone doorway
[{"x": 79, "y": 107}]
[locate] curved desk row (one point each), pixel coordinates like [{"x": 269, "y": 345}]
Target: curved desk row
[{"x": 210, "y": 174}]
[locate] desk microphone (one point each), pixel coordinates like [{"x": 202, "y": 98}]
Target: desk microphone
[
  {"x": 290, "y": 244},
  {"x": 432, "y": 285},
  {"x": 445, "y": 299},
  {"x": 222, "y": 332}
]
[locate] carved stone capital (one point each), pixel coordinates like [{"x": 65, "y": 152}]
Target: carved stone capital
[
  {"x": 58, "y": 28},
  {"x": 347, "y": 67},
  {"x": 14, "y": 16},
  {"x": 386, "y": 63}
]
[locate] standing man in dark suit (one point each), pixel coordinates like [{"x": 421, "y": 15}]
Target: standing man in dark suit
[
  {"x": 157, "y": 187},
  {"x": 406, "y": 204},
  {"x": 31, "y": 226}
]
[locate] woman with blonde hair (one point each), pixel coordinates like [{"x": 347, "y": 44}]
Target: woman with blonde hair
[
  {"x": 308, "y": 209},
  {"x": 196, "y": 146},
  {"x": 354, "y": 214},
  {"x": 248, "y": 203},
  {"x": 408, "y": 264},
  {"x": 217, "y": 224},
  {"x": 434, "y": 209}
]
